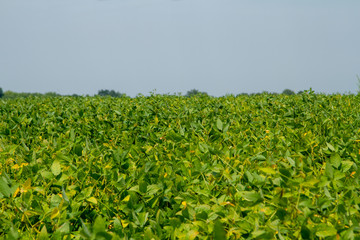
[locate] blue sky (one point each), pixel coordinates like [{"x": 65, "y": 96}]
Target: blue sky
[{"x": 171, "y": 46}]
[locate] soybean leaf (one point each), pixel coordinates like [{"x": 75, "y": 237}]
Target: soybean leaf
[
  {"x": 56, "y": 168},
  {"x": 335, "y": 160},
  {"x": 219, "y": 124},
  {"x": 4, "y": 188},
  {"x": 219, "y": 231}
]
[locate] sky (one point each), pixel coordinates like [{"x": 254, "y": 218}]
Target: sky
[{"x": 172, "y": 46}]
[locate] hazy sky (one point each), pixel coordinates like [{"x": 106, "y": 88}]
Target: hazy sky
[{"x": 217, "y": 46}]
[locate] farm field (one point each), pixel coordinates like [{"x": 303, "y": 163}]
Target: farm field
[{"x": 172, "y": 167}]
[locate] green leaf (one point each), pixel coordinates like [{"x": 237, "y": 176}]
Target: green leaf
[
  {"x": 259, "y": 157},
  {"x": 251, "y": 196},
  {"x": 305, "y": 232},
  {"x": 143, "y": 186},
  {"x": 103, "y": 236},
  {"x": 46, "y": 174},
  {"x": 219, "y": 124},
  {"x": 331, "y": 147},
  {"x": 327, "y": 193},
  {"x": 99, "y": 225},
  {"x": 291, "y": 161},
  {"x": 61, "y": 156},
  {"x": 143, "y": 217},
  {"x": 335, "y": 160},
  {"x": 152, "y": 189},
  {"x": 348, "y": 234},
  {"x": 249, "y": 176},
  {"x": 329, "y": 171},
  {"x": 65, "y": 228},
  {"x": 260, "y": 234},
  {"x": 85, "y": 232},
  {"x": 64, "y": 194},
  {"x": 43, "y": 234},
  {"x": 56, "y": 168},
  {"x": 203, "y": 147},
  {"x": 202, "y": 215},
  {"x": 346, "y": 165},
  {"x": 219, "y": 231},
  {"x": 78, "y": 150},
  {"x": 117, "y": 225},
  {"x": 4, "y": 188},
  {"x": 13, "y": 234},
  {"x": 326, "y": 231},
  {"x": 311, "y": 183}
]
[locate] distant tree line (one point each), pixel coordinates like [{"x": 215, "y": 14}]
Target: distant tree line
[
  {"x": 11, "y": 94},
  {"x": 116, "y": 94},
  {"x": 110, "y": 93},
  {"x": 195, "y": 92},
  {"x": 285, "y": 92}
]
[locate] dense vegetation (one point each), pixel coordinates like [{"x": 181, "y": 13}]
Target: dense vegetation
[{"x": 172, "y": 167}]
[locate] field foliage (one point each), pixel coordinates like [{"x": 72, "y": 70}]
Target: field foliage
[{"x": 172, "y": 167}]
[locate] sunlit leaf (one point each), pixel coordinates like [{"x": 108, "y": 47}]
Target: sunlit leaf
[
  {"x": 4, "y": 188},
  {"x": 335, "y": 160},
  {"x": 56, "y": 168},
  {"x": 92, "y": 200},
  {"x": 219, "y": 124}
]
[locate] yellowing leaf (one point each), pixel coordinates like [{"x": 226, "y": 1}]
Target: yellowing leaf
[
  {"x": 268, "y": 170},
  {"x": 192, "y": 234},
  {"x": 16, "y": 166},
  {"x": 26, "y": 186},
  {"x": 148, "y": 149},
  {"x": 227, "y": 203},
  {"x": 124, "y": 223},
  {"x": 92, "y": 200},
  {"x": 127, "y": 198},
  {"x": 267, "y": 210},
  {"x": 16, "y": 192},
  {"x": 108, "y": 166},
  {"x": 55, "y": 213}
]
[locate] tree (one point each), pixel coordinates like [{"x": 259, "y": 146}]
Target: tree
[
  {"x": 51, "y": 94},
  {"x": 288, "y": 92},
  {"x": 111, "y": 93},
  {"x": 1, "y": 93},
  {"x": 195, "y": 92}
]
